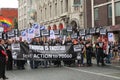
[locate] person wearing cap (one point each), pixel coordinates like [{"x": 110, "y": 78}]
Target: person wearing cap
[{"x": 3, "y": 60}]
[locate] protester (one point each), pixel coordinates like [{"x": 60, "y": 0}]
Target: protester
[
  {"x": 115, "y": 51},
  {"x": 9, "y": 65},
  {"x": 57, "y": 43},
  {"x": 3, "y": 60},
  {"x": 81, "y": 53},
  {"x": 109, "y": 53},
  {"x": 68, "y": 42},
  {"x": 100, "y": 52},
  {"x": 19, "y": 62},
  {"x": 34, "y": 63},
  {"x": 89, "y": 52}
]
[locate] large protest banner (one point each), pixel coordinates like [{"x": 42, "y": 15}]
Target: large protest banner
[
  {"x": 21, "y": 51},
  {"x": 50, "y": 52}
]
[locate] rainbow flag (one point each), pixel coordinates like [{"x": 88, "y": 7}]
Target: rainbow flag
[{"x": 5, "y": 22}]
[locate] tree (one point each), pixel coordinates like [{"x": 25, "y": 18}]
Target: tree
[{"x": 15, "y": 23}]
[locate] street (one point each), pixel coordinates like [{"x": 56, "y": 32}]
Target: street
[{"x": 66, "y": 73}]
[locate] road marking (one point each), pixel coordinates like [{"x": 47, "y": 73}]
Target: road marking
[
  {"x": 99, "y": 74},
  {"x": 117, "y": 66}
]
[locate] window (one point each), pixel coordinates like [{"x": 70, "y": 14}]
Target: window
[
  {"x": 117, "y": 9},
  {"x": 41, "y": 14},
  {"x": 50, "y": 11},
  {"x": 110, "y": 11},
  {"x": 45, "y": 13},
  {"x": 77, "y": 2},
  {"x": 61, "y": 6},
  {"x": 25, "y": 21},
  {"x": 66, "y": 6},
  {"x": 96, "y": 13},
  {"x": 25, "y": 10},
  {"x": 30, "y": 2},
  {"x": 108, "y": 0},
  {"x": 55, "y": 9}
]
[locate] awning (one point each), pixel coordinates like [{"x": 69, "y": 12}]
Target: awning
[{"x": 113, "y": 28}]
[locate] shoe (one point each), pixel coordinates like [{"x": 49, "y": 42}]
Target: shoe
[
  {"x": 103, "y": 65},
  {"x": 5, "y": 78},
  {"x": 98, "y": 65}
]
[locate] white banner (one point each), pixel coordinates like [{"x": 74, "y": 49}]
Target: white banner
[
  {"x": 77, "y": 48},
  {"x": 24, "y": 35},
  {"x": 36, "y": 47},
  {"x": 15, "y": 46},
  {"x": 111, "y": 37},
  {"x": 51, "y": 48},
  {"x": 52, "y": 34},
  {"x": 57, "y": 48},
  {"x": 36, "y": 28},
  {"x": 31, "y": 33}
]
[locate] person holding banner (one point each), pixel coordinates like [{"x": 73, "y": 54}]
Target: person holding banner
[
  {"x": 3, "y": 60},
  {"x": 81, "y": 53},
  {"x": 75, "y": 43},
  {"x": 33, "y": 63},
  {"x": 57, "y": 43},
  {"x": 89, "y": 52},
  {"x": 68, "y": 42}
]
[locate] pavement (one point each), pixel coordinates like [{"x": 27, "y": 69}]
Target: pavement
[
  {"x": 114, "y": 64},
  {"x": 109, "y": 72}
]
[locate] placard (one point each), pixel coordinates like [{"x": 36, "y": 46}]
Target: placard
[
  {"x": 16, "y": 31},
  {"x": 69, "y": 28},
  {"x": 36, "y": 28},
  {"x": 45, "y": 32},
  {"x": 87, "y": 31},
  {"x": 103, "y": 31},
  {"x": 1, "y": 29},
  {"x": 16, "y": 51},
  {"x": 77, "y": 48},
  {"x": 92, "y": 30},
  {"x": 97, "y": 30},
  {"x": 111, "y": 37},
  {"x": 57, "y": 32},
  {"x": 36, "y": 47},
  {"x": 74, "y": 35},
  {"x": 82, "y": 32},
  {"x": 11, "y": 34}
]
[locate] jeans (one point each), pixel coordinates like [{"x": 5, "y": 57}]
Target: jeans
[{"x": 108, "y": 58}]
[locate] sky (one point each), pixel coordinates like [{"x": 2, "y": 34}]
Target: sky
[{"x": 8, "y": 3}]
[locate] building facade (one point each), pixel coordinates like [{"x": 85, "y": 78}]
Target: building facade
[
  {"x": 26, "y": 13},
  {"x": 54, "y": 14},
  {"x": 10, "y": 13},
  {"x": 105, "y": 13},
  {"x": 58, "y": 14}
]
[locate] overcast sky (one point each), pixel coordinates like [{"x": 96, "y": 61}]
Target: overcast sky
[{"x": 8, "y": 3}]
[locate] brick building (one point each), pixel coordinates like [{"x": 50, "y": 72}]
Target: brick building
[
  {"x": 105, "y": 13},
  {"x": 10, "y": 13}
]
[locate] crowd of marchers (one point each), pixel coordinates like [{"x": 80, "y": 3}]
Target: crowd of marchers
[{"x": 88, "y": 50}]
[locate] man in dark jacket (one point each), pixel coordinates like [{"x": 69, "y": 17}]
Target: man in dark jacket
[
  {"x": 3, "y": 59},
  {"x": 100, "y": 52}
]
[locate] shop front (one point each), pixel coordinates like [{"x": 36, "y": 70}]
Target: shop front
[{"x": 115, "y": 30}]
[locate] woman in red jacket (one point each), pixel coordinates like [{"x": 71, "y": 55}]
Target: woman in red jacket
[{"x": 3, "y": 60}]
